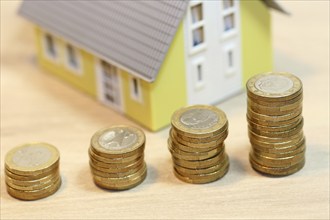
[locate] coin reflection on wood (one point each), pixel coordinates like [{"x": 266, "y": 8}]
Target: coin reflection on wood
[
  {"x": 196, "y": 143},
  {"x": 117, "y": 157},
  {"x": 274, "y": 115},
  {"x": 32, "y": 171}
]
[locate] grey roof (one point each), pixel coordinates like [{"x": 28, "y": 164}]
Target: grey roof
[{"x": 134, "y": 35}]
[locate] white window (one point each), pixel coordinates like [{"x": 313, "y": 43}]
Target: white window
[
  {"x": 135, "y": 89},
  {"x": 229, "y": 22},
  {"x": 228, "y": 4},
  {"x": 110, "y": 85},
  {"x": 197, "y": 25},
  {"x": 73, "y": 59},
  {"x": 229, "y": 17},
  {"x": 199, "y": 74},
  {"x": 230, "y": 60},
  {"x": 50, "y": 47}
]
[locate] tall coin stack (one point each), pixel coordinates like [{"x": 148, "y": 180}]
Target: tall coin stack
[
  {"x": 32, "y": 171},
  {"x": 274, "y": 115},
  {"x": 117, "y": 157},
  {"x": 196, "y": 143}
]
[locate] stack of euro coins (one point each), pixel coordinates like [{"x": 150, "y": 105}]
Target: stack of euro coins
[
  {"x": 196, "y": 143},
  {"x": 275, "y": 123},
  {"x": 117, "y": 157},
  {"x": 32, "y": 171}
]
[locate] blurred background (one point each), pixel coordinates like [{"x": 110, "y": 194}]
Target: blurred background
[{"x": 36, "y": 106}]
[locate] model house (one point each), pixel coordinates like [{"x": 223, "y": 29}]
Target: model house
[{"x": 148, "y": 58}]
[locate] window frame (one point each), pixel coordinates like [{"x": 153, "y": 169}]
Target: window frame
[
  {"x": 230, "y": 70},
  {"x": 135, "y": 87},
  {"x": 78, "y": 70},
  {"x": 194, "y": 26},
  {"x": 199, "y": 84},
  {"x": 55, "y": 57},
  {"x": 226, "y": 12}
]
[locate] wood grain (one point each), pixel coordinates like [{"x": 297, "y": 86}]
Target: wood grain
[{"x": 37, "y": 106}]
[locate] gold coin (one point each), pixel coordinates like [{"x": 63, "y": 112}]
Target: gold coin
[
  {"x": 121, "y": 185},
  {"x": 182, "y": 147},
  {"x": 273, "y": 118},
  {"x": 116, "y": 169},
  {"x": 277, "y": 162},
  {"x": 34, "y": 194},
  {"x": 278, "y": 146},
  {"x": 199, "y": 121},
  {"x": 126, "y": 186},
  {"x": 118, "y": 140},
  {"x": 122, "y": 160},
  {"x": 202, "y": 170},
  {"x": 201, "y": 179},
  {"x": 287, "y": 133},
  {"x": 275, "y": 128},
  {"x": 32, "y": 159},
  {"x": 271, "y": 110},
  {"x": 199, "y": 164},
  {"x": 283, "y": 147},
  {"x": 207, "y": 140},
  {"x": 261, "y": 138},
  {"x": 115, "y": 165},
  {"x": 280, "y": 154},
  {"x": 201, "y": 145},
  {"x": 30, "y": 177},
  {"x": 277, "y": 86},
  {"x": 38, "y": 186},
  {"x": 275, "y": 171},
  {"x": 224, "y": 164},
  {"x": 201, "y": 140},
  {"x": 123, "y": 179},
  {"x": 125, "y": 156},
  {"x": 40, "y": 181},
  {"x": 194, "y": 156},
  {"x": 116, "y": 174},
  {"x": 272, "y": 103},
  {"x": 273, "y": 123}
]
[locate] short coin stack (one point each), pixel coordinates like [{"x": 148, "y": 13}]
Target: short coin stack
[
  {"x": 196, "y": 144},
  {"x": 117, "y": 157},
  {"x": 32, "y": 171},
  {"x": 275, "y": 121}
]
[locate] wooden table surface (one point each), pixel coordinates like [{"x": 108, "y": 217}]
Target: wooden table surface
[{"x": 36, "y": 106}]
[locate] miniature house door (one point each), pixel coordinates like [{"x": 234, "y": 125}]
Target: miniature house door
[
  {"x": 109, "y": 85},
  {"x": 212, "y": 42}
]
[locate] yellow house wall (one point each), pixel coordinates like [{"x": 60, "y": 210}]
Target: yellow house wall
[
  {"x": 138, "y": 111},
  {"x": 85, "y": 81},
  {"x": 257, "y": 53},
  {"x": 159, "y": 99},
  {"x": 168, "y": 92}
]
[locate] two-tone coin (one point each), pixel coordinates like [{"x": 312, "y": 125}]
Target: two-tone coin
[
  {"x": 32, "y": 171},
  {"x": 275, "y": 123},
  {"x": 196, "y": 142},
  {"x": 117, "y": 157}
]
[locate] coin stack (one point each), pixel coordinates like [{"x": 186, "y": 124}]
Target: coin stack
[
  {"x": 32, "y": 171},
  {"x": 275, "y": 123},
  {"x": 117, "y": 157},
  {"x": 196, "y": 143}
]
